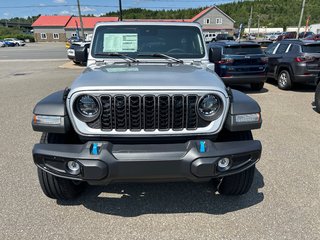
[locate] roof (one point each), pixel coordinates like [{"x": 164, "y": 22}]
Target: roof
[
  {"x": 230, "y": 43},
  {"x": 89, "y": 22},
  {"x": 301, "y": 41},
  {"x": 52, "y": 21},
  {"x": 157, "y": 20},
  {"x": 205, "y": 11}
]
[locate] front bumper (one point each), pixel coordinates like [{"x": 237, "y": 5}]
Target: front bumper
[
  {"x": 244, "y": 79},
  {"x": 151, "y": 162}
]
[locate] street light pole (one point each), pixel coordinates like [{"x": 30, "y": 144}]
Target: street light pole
[
  {"x": 80, "y": 17},
  {"x": 301, "y": 15}
]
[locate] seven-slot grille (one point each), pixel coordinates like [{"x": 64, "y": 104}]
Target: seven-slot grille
[{"x": 149, "y": 112}]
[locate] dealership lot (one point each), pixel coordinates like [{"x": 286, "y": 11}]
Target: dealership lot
[{"x": 282, "y": 204}]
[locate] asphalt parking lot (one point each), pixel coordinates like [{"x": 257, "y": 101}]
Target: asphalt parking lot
[{"x": 283, "y": 203}]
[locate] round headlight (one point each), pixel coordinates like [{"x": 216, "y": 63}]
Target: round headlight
[
  {"x": 209, "y": 107},
  {"x": 87, "y": 106}
]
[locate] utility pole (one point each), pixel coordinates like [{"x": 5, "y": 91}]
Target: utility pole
[
  {"x": 120, "y": 10},
  {"x": 250, "y": 20},
  {"x": 81, "y": 23},
  {"x": 301, "y": 15}
]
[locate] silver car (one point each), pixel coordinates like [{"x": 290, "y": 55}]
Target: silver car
[{"x": 148, "y": 107}]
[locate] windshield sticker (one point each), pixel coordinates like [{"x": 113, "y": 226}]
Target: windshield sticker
[{"x": 120, "y": 42}]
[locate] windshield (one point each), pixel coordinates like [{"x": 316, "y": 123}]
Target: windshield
[
  {"x": 134, "y": 40},
  {"x": 242, "y": 50},
  {"x": 314, "y": 48}
]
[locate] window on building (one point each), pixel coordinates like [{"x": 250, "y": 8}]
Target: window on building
[
  {"x": 206, "y": 21},
  {"x": 218, "y": 20},
  {"x": 56, "y": 36},
  {"x": 43, "y": 36}
]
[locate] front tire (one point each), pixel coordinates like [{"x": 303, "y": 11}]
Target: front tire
[
  {"x": 55, "y": 187},
  {"x": 240, "y": 183},
  {"x": 284, "y": 80},
  {"x": 317, "y": 98}
]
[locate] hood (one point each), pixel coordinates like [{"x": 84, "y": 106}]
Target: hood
[{"x": 148, "y": 77}]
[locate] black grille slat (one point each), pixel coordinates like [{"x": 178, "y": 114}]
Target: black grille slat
[
  {"x": 164, "y": 112},
  {"x": 135, "y": 112},
  {"x": 148, "y": 112},
  {"x": 177, "y": 112},
  {"x": 149, "y": 104},
  {"x": 106, "y": 117},
  {"x": 120, "y": 112},
  {"x": 192, "y": 118}
]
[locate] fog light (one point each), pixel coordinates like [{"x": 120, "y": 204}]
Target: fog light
[
  {"x": 73, "y": 167},
  {"x": 223, "y": 164},
  {"x": 248, "y": 118}
]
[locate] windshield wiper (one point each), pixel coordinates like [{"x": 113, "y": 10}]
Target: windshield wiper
[
  {"x": 115, "y": 54},
  {"x": 161, "y": 55}
]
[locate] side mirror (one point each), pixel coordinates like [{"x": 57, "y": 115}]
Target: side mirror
[
  {"x": 214, "y": 55},
  {"x": 81, "y": 54}
]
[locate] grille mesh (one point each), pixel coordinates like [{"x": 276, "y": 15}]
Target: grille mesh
[{"x": 149, "y": 112}]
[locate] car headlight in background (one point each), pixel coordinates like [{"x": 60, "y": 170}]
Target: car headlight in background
[
  {"x": 87, "y": 108},
  {"x": 210, "y": 107}
]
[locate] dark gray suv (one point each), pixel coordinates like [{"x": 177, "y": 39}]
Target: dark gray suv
[{"x": 294, "y": 61}]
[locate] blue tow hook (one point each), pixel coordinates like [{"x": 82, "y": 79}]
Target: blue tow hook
[
  {"x": 202, "y": 147},
  {"x": 95, "y": 149}
]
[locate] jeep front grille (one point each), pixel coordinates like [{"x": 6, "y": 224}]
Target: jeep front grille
[{"x": 149, "y": 113}]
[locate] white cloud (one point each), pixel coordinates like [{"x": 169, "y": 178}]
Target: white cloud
[
  {"x": 65, "y": 12},
  {"x": 59, "y": 1},
  {"x": 6, "y": 14},
  {"x": 87, "y": 9}
]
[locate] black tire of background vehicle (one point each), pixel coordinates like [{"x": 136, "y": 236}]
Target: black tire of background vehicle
[
  {"x": 284, "y": 80},
  {"x": 239, "y": 183},
  {"x": 317, "y": 98},
  {"x": 55, "y": 187},
  {"x": 257, "y": 86}
]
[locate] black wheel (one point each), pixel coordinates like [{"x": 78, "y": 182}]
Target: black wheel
[
  {"x": 257, "y": 86},
  {"x": 55, "y": 187},
  {"x": 239, "y": 183},
  {"x": 284, "y": 80},
  {"x": 317, "y": 98}
]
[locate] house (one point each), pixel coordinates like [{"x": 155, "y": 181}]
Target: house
[
  {"x": 88, "y": 24},
  {"x": 50, "y": 28},
  {"x": 60, "y": 28},
  {"x": 214, "y": 20},
  {"x": 315, "y": 28}
]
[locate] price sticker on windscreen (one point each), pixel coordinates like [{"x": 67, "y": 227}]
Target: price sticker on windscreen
[{"x": 120, "y": 42}]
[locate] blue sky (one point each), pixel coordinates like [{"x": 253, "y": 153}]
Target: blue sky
[{"x": 18, "y": 8}]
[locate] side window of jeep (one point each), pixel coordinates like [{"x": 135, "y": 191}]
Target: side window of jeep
[{"x": 282, "y": 48}]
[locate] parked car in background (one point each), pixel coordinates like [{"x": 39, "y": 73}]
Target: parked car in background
[
  {"x": 239, "y": 63},
  {"x": 306, "y": 34},
  {"x": 315, "y": 37},
  {"x": 287, "y": 35},
  {"x": 223, "y": 36},
  {"x": 264, "y": 43},
  {"x": 209, "y": 37},
  {"x": 78, "y": 47},
  {"x": 7, "y": 43},
  {"x": 251, "y": 37},
  {"x": 15, "y": 41},
  {"x": 294, "y": 61},
  {"x": 2, "y": 44},
  {"x": 273, "y": 37}
]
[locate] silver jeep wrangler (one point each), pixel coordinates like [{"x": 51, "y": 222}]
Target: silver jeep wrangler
[{"x": 148, "y": 107}]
